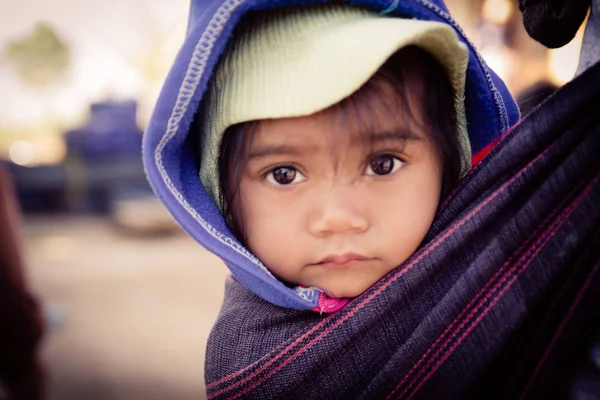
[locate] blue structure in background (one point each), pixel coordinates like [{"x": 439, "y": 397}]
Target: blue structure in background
[
  {"x": 103, "y": 164},
  {"x": 111, "y": 132}
]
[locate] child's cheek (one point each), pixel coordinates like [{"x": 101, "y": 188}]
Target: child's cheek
[{"x": 266, "y": 211}]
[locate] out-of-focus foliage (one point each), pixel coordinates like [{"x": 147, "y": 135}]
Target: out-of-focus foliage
[{"x": 40, "y": 58}]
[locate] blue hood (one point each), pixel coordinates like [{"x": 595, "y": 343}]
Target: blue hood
[{"x": 169, "y": 154}]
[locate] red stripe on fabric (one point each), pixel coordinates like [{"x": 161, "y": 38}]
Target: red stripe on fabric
[
  {"x": 477, "y": 157},
  {"x": 392, "y": 278},
  {"x": 556, "y": 225},
  {"x": 286, "y": 362},
  {"x": 346, "y": 316},
  {"x": 497, "y": 287},
  {"x": 481, "y": 154},
  {"x": 275, "y": 358},
  {"x": 353, "y": 310},
  {"x": 561, "y": 327},
  {"x": 483, "y": 291}
]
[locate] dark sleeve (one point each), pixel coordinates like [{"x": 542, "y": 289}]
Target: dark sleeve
[{"x": 22, "y": 328}]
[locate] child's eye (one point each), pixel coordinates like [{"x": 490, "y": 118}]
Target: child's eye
[
  {"x": 284, "y": 176},
  {"x": 383, "y": 165}
]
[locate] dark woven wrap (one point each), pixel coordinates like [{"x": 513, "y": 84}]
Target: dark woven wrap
[{"x": 502, "y": 301}]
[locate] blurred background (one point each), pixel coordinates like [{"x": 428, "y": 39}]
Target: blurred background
[{"x": 127, "y": 298}]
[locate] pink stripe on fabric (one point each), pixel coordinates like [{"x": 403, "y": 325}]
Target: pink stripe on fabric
[
  {"x": 483, "y": 291},
  {"x": 560, "y": 329},
  {"x": 555, "y": 226},
  {"x": 350, "y": 313},
  {"x": 499, "y": 285},
  {"x": 287, "y": 361},
  {"x": 275, "y": 358},
  {"x": 391, "y": 278}
]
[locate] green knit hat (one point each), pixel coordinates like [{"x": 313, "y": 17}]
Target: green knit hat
[{"x": 292, "y": 62}]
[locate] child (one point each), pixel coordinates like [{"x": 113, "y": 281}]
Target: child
[
  {"x": 328, "y": 136},
  {"x": 334, "y": 190}
]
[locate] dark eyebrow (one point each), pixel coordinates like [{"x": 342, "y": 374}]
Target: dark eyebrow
[
  {"x": 389, "y": 136},
  {"x": 296, "y": 150},
  {"x": 277, "y": 150}
]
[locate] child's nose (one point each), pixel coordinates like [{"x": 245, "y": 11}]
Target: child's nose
[{"x": 337, "y": 212}]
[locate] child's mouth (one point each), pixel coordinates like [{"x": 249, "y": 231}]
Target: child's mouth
[{"x": 340, "y": 260}]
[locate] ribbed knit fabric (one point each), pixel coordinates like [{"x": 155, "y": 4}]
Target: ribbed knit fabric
[{"x": 297, "y": 61}]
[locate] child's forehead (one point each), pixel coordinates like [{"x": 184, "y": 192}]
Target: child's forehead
[{"x": 336, "y": 129}]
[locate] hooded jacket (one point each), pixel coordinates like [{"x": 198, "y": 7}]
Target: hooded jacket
[{"x": 169, "y": 151}]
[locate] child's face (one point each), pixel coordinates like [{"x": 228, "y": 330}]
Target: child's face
[{"x": 324, "y": 205}]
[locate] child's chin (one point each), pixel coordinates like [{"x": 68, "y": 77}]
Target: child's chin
[{"x": 347, "y": 292}]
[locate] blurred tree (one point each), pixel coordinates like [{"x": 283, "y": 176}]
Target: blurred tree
[{"x": 40, "y": 58}]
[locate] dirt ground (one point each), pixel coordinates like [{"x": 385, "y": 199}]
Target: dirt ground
[{"x": 129, "y": 315}]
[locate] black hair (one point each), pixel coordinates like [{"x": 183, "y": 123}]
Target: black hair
[{"x": 408, "y": 67}]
